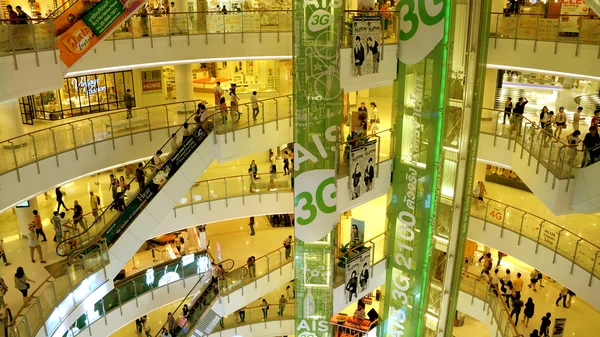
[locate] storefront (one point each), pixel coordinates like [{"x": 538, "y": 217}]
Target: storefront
[
  {"x": 547, "y": 90},
  {"x": 79, "y": 96}
]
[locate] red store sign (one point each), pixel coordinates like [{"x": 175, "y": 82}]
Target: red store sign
[{"x": 152, "y": 85}]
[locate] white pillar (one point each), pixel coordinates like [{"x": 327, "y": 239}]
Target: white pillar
[
  {"x": 10, "y": 120},
  {"x": 25, "y": 216},
  {"x": 184, "y": 87}
]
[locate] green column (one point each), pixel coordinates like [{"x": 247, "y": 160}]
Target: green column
[
  {"x": 419, "y": 90},
  {"x": 318, "y": 106}
]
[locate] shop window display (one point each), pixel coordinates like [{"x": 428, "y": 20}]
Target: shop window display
[{"x": 81, "y": 95}]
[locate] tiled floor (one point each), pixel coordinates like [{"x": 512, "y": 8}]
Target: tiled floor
[
  {"x": 471, "y": 327},
  {"x": 582, "y": 319}
]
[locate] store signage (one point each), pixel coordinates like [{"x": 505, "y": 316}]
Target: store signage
[
  {"x": 152, "y": 85},
  {"x": 90, "y": 86},
  {"x": 318, "y": 105},
  {"x": 559, "y": 327},
  {"x": 81, "y": 26},
  {"x": 417, "y": 168},
  {"x": 151, "y": 189}
]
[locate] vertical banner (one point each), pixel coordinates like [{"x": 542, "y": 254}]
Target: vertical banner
[
  {"x": 366, "y": 37},
  {"x": 352, "y": 274},
  {"x": 419, "y": 92},
  {"x": 365, "y": 270},
  {"x": 362, "y": 169},
  {"x": 318, "y": 105}
]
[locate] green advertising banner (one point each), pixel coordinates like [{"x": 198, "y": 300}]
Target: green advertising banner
[
  {"x": 102, "y": 16},
  {"x": 318, "y": 103},
  {"x": 419, "y": 101}
]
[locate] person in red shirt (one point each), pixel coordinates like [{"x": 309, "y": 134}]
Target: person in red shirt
[
  {"x": 12, "y": 15},
  {"x": 595, "y": 120}
]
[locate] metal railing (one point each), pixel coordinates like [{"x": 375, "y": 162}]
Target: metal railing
[
  {"x": 557, "y": 238},
  {"x": 549, "y": 152},
  {"x": 255, "y": 314},
  {"x": 139, "y": 284},
  {"x": 40, "y": 34},
  {"x": 91, "y": 252},
  {"x": 576, "y": 29},
  {"x": 30, "y": 148},
  {"x": 482, "y": 289}
]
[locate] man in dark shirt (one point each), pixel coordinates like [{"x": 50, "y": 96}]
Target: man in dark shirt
[
  {"x": 544, "y": 327},
  {"x": 518, "y": 111},
  {"x": 516, "y": 310},
  {"x": 128, "y": 103},
  {"x": 78, "y": 215},
  {"x": 591, "y": 140}
]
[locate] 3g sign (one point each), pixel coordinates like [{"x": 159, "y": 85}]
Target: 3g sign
[
  {"x": 421, "y": 28},
  {"x": 321, "y": 18}
]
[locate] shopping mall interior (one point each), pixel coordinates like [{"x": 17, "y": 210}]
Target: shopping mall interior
[{"x": 317, "y": 169}]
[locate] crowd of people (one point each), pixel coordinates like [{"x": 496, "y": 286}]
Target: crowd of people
[
  {"x": 551, "y": 126},
  {"x": 511, "y": 286}
]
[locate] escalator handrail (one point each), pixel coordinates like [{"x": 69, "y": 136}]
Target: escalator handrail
[{"x": 100, "y": 236}]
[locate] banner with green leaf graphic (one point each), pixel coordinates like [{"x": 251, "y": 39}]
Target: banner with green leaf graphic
[
  {"x": 318, "y": 106},
  {"x": 419, "y": 98}
]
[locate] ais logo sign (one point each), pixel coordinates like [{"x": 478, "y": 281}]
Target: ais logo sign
[
  {"x": 421, "y": 28},
  {"x": 321, "y": 18}
]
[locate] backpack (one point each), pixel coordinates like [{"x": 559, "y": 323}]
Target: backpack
[
  {"x": 487, "y": 264},
  {"x": 98, "y": 199}
]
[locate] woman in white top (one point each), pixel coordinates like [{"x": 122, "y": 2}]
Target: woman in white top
[
  {"x": 34, "y": 244},
  {"x": 561, "y": 122}
]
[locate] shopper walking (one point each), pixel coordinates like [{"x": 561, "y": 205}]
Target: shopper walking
[
  {"x": 170, "y": 323},
  {"x": 223, "y": 110},
  {"x": 571, "y": 294},
  {"x": 545, "y": 326},
  {"x": 3, "y": 254},
  {"x": 56, "y": 226},
  {"x": 529, "y": 311},
  {"x": 265, "y": 309},
  {"x": 242, "y": 314},
  {"x": 508, "y": 293},
  {"x": 233, "y": 104},
  {"x": 517, "y": 119},
  {"x": 518, "y": 286},
  {"x": 286, "y": 163},
  {"x": 561, "y": 122},
  {"x": 140, "y": 175},
  {"x": 254, "y": 169},
  {"x": 282, "y": 303},
  {"x": 287, "y": 243},
  {"x": 487, "y": 265},
  {"x": 94, "y": 204},
  {"x": 251, "y": 264},
  {"x": 59, "y": 199},
  {"x": 22, "y": 284},
  {"x": 533, "y": 278},
  {"x": 255, "y": 109},
  {"x": 516, "y": 310},
  {"x": 128, "y": 103},
  {"x": 34, "y": 245},
  {"x": 147, "y": 328},
  {"x": 218, "y": 92},
  {"x": 577, "y": 118},
  {"x": 78, "y": 218},
  {"x": 37, "y": 223},
  {"x": 562, "y": 295},
  {"x": 494, "y": 281},
  {"x": 507, "y": 109},
  {"x": 251, "y": 224},
  {"x": 590, "y": 141}
]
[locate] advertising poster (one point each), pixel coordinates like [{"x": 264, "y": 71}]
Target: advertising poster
[
  {"x": 357, "y": 232},
  {"x": 419, "y": 97},
  {"x": 559, "y": 327},
  {"x": 318, "y": 103},
  {"x": 352, "y": 275},
  {"x": 366, "y": 37},
  {"x": 362, "y": 169},
  {"x": 365, "y": 270},
  {"x": 572, "y": 12},
  {"x": 86, "y": 23}
]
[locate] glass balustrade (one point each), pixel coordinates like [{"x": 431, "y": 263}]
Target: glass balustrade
[
  {"x": 548, "y": 152},
  {"x": 255, "y": 314},
  {"x": 541, "y": 27},
  {"x": 90, "y": 247},
  {"x": 191, "y": 268},
  {"x": 563, "y": 242},
  {"x": 46, "y": 143}
]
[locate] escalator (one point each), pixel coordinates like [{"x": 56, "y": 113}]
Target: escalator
[{"x": 100, "y": 251}]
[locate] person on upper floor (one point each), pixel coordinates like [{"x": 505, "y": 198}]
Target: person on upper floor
[{"x": 591, "y": 140}]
